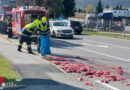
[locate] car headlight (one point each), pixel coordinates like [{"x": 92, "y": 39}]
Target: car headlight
[{"x": 58, "y": 30}]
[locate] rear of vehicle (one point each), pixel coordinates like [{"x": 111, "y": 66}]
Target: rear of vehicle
[
  {"x": 22, "y": 16},
  {"x": 76, "y": 25},
  {"x": 60, "y": 29},
  {"x": 3, "y": 22}
]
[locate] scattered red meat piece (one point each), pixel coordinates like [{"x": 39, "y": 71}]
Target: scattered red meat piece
[
  {"x": 106, "y": 72},
  {"x": 90, "y": 76},
  {"x": 127, "y": 84},
  {"x": 68, "y": 71},
  {"x": 80, "y": 79},
  {"x": 56, "y": 62},
  {"x": 99, "y": 72},
  {"x": 104, "y": 76},
  {"x": 119, "y": 68},
  {"x": 88, "y": 73},
  {"x": 104, "y": 81},
  {"x": 88, "y": 83},
  {"x": 111, "y": 76},
  {"x": 120, "y": 72},
  {"x": 112, "y": 67},
  {"x": 112, "y": 79},
  {"x": 120, "y": 78}
]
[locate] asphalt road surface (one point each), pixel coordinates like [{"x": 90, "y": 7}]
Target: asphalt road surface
[
  {"x": 102, "y": 50},
  {"x": 106, "y": 50}
]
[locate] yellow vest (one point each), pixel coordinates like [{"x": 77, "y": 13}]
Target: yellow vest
[
  {"x": 28, "y": 27},
  {"x": 42, "y": 28}
]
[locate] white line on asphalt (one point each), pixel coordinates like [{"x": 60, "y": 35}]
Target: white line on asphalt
[
  {"x": 95, "y": 45},
  {"x": 94, "y": 52},
  {"x": 108, "y": 44},
  {"x": 107, "y": 85},
  {"x": 103, "y": 46},
  {"x": 88, "y": 44},
  {"x": 105, "y": 54}
]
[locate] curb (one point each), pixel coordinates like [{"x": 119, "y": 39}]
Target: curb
[
  {"x": 36, "y": 54},
  {"x": 12, "y": 87}
]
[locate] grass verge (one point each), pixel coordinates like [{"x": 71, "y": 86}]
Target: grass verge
[
  {"x": 106, "y": 34},
  {"x": 9, "y": 73}
]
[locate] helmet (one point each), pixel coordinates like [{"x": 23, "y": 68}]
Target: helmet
[
  {"x": 36, "y": 22},
  {"x": 32, "y": 24},
  {"x": 44, "y": 19}
]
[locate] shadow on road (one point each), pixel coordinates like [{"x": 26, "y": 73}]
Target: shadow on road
[
  {"x": 47, "y": 84},
  {"x": 62, "y": 44}
]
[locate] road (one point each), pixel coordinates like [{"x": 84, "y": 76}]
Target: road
[
  {"x": 104, "y": 50},
  {"x": 110, "y": 51}
]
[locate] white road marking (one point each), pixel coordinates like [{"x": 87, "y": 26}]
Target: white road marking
[
  {"x": 88, "y": 44},
  {"x": 108, "y": 44},
  {"x": 107, "y": 85},
  {"x": 94, "y": 52},
  {"x": 103, "y": 46}
]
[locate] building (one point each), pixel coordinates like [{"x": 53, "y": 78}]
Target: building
[
  {"x": 29, "y": 2},
  {"x": 7, "y": 4},
  {"x": 120, "y": 12},
  {"x": 117, "y": 12}
]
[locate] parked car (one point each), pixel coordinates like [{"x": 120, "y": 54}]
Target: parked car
[
  {"x": 60, "y": 29},
  {"x": 76, "y": 25}
]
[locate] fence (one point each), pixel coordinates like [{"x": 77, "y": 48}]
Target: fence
[{"x": 108, "y": 26}]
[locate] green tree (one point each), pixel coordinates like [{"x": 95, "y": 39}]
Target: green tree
[
  {"x": 90, "y": 9},
  {"x": 55, "y": 7},
  {"x": 120, "y": 6},
  {"x": 69, "y": 7},
  {"x": 117, "y": 7},
  {"x": 39, "y": 2},
  {"x": 99, "y": 7},
  {"x": 107, "y": 6},
  {"x": 79, "y": 10}
]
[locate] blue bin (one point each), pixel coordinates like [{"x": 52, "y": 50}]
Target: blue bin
[{"x": 45, "y": 45}]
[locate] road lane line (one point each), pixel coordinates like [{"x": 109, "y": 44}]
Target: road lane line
[
  {"x": 108, "y": 44},
  {"x": 88, "y": 44},
  {"x": 103, "y": 46},
  {"x": 107, "y": 85},
  {"x": 94, "y": 51}
]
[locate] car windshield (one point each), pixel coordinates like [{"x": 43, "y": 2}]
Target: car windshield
[
  {"x": 67, "y": 23},
  {"x": 59, "y": 24}
]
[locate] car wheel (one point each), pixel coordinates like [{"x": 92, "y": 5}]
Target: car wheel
[
  {"x": 78, "y": 33},
  {"x": 53, "y": 34},
  {"x": 71, "y": 37}
]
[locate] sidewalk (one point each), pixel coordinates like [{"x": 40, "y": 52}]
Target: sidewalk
[{"x": 38, "y": 74}]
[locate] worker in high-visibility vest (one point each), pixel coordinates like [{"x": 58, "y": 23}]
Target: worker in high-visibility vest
[
  {"x": 43, "y": 29},
  {"x": 26, "y": 36},
  {"x": 9, "y": 27}
]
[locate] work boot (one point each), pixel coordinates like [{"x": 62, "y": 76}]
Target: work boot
[
  {"x": 19, "y": 48},
  {"x": 30, "y": 51}
]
